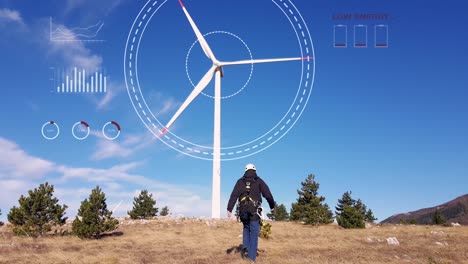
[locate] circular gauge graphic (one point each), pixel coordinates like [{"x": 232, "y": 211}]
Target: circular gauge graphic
[
  {"x": 80, "y": 130},
  {"x": 166, "y": 73},
  {"x": 111, "y": 130},
  {"x": 50, "y": 130}
]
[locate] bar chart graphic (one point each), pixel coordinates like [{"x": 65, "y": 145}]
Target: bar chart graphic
[{"x": 77, "y": 80}]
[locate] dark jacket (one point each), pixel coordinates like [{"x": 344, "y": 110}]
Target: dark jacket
[{"x": 258, "y": 189}]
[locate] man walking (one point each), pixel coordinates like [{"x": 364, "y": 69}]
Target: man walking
[{"x": 249, "y": 191}]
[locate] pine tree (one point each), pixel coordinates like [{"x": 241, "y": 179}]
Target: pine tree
[
  {"x": 438, "y": 218},
  {"x": 369, "y": 217},
  {"x": 1, "y": 223},
  {"x": 143, "y": 206},
  {"x": 279, "y": 214},
  {"x": 310, "y": 207},
  {"x": 346, "y": 200},
  {"x": 38, "y": 212},
  {"x": 361, "y": 207},
  {"x": 164, "y": 211},
  {"x": 93, "y": 216}
]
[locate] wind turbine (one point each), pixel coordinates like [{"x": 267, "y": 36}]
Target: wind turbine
[{"x": 216, "y": 70}]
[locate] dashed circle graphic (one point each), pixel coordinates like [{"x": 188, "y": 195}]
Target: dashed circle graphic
[
  {"x": 246, "y": 47},
  {"x": 266, "y": 140}
]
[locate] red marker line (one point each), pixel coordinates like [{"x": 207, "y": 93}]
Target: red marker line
[
  {"x": 84, "y": 123},
  {"x": 52, "y": 122},
  {"x": 308, "y": 58},
  {"x": 340, "y": 45},
  {"x": 181, "y": 4},
  {"x": 163, "y": 132},
  {"x": 116, "y": 124}
]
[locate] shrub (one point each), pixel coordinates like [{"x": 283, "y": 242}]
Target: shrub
[
  {"x": 352, "y": 213},
  {"x": 265, "y": 230},
  {"x": 351, "y": 217},
  {"x": 438, "y": 218},
  {"x": 164, "y": 211}
]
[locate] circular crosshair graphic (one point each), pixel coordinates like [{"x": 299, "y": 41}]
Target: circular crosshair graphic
[
  {"x": 187, "y": 57},
  {"x": 80, "y": 130},
  {"x": 50, "y": 130},
  {"x": 262, "y": 141},
  {"x": 111, "y": 130}
]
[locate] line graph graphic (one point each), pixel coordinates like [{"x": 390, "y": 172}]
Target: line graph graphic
[{"x": 61, "y": 33}]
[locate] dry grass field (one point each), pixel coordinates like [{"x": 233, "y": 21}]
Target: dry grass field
[{"x": 216, "y": 241}]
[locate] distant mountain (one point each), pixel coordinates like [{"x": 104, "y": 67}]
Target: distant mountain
[{"x": 455, "y": 211}]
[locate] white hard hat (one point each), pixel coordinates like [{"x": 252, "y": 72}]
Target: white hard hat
[{"x": 250, "y": 166}]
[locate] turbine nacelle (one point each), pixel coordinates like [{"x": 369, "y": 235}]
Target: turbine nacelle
[{"x": 220, "y": 69}]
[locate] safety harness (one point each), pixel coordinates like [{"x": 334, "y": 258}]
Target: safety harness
[{"x": 247, "y": 206}]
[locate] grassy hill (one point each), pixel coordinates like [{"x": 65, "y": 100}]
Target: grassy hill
[
  {"x": 169, "y": 240},
  {"x": 455, "y": 211}
]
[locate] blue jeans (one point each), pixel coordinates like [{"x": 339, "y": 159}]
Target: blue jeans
[{"x": 250, "y": 238}]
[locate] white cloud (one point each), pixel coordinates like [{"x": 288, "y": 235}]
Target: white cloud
[
  {"x": 15, "y": 162},
  {"x": 73, "y": 4},
  {"x": 9, "y": 15},
  {"x": 168, "y": 106},
  {"x": 181, "y": 200},
  {"x": 94, "y": 7},
  {"x": 113, "y": 89},
  {"x": 106, "y": 149},
  {"x": 71, "y": 53},
  {"x": 105, "y": 101},
  {"x": 113, "y": 181},
  {"x": 74, "y": 53},
  {"x": 12, "y": 189},
  {"x": 164, "y": 104}
]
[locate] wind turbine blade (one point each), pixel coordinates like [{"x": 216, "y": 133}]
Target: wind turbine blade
[
  {"x": 196, "y": 91},
  {"x": 229, "y": 63},
  {"x": 117, "y": 206},
  {"x": 204, "y": 45}
]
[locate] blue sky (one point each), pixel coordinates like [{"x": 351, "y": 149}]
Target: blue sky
[{"x": 389, "y": 124}]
